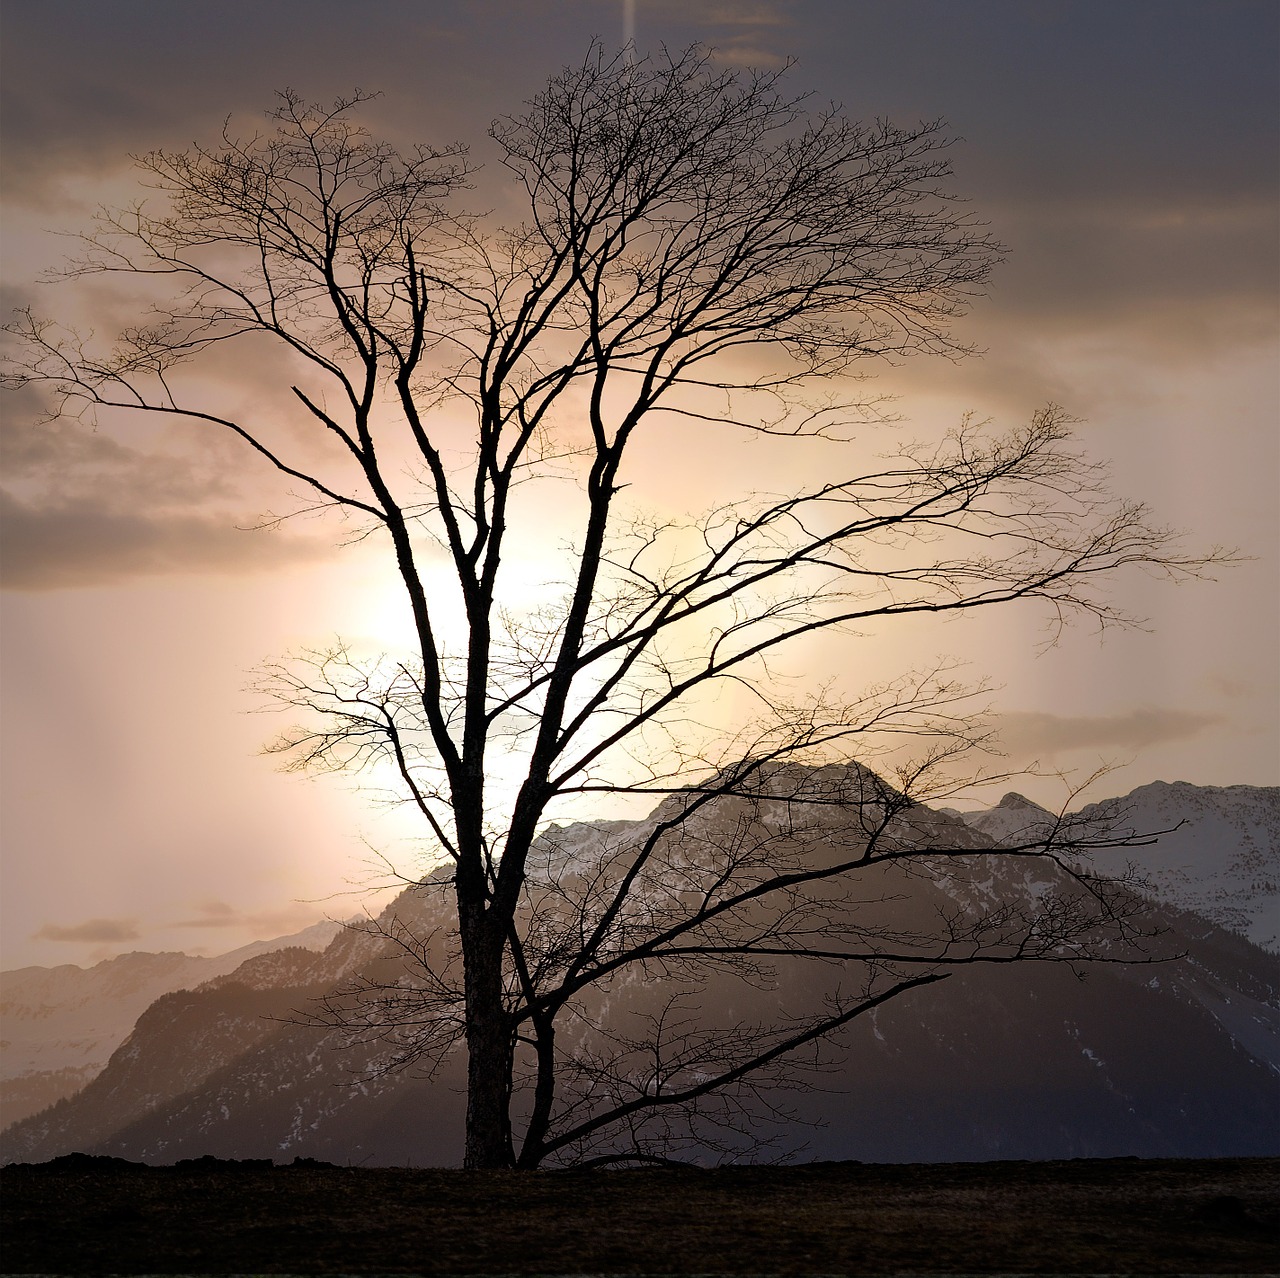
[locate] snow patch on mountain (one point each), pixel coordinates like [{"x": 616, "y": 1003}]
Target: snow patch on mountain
[{"x": 1211, "y": 850}]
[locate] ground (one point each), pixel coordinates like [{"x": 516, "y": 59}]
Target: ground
[{"x": 78, "y": 1215}]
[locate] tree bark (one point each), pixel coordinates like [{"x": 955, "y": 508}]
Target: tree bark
[{"x": 488, "y": 1135}]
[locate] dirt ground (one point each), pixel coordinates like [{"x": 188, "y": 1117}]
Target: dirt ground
[{"x": 79, "y": 1215}]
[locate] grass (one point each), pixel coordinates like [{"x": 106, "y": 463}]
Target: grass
[{"x": 1087, "y": 1216}]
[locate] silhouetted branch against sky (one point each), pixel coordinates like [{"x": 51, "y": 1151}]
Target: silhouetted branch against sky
[
  {"x": 1119, "y": 152},
  {"x": 688, "y": 252}
]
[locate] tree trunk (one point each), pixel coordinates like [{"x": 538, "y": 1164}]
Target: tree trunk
[
  {"x": 488, "y": 1044},
  {"x": 544, "y": 1093}
]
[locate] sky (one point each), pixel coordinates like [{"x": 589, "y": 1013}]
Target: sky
[{"x": 1125, "y": 153}]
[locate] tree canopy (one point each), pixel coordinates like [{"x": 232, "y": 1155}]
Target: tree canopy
[{"x": 695, "y": 247}]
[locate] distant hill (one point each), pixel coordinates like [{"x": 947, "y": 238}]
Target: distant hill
[
  {"x": 61, "y": 1024},
  {"x": 1179, "y": 1058}
]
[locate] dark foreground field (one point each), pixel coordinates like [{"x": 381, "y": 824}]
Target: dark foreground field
[{"x": 78, "y": 1215}]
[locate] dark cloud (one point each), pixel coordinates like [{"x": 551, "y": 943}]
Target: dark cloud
[
  {"x": 1148, "y": 263},
  {"x": 83, "y": 507},
  {"x": 1124, "y": 152},
  {"x": 91, "y": 930},
  {"x": 1035, "y": 733},
  {"x": 69, "y": 457},
  {"x": 85, "y": 83},
  {"x": 1057, "y": 98},
  {"x": 77, "y": 543},
  {"x": 1068, "y": 101}
]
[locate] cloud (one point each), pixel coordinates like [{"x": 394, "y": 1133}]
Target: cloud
[
  {"x": 1144, "y": 262},
  {"x": 262, "y": 923},
  {"x": 1035, "y": 732},
  {"x": 87, "y": 507},
  {"x": 746, "y": 34},
  {"x": 1123, "y": 174},
  {"x": 92, "y": 930},
  {"x": 62, "y": 544},
  {"x": 739, "y": 14},
  {"x": 86, "y": 84},
  {"x": 741, "y": 53},
  {"x": 213, "y": 914}
]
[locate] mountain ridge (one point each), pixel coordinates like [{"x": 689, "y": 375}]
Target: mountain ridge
[
  {"x": 1176, "y": 1058},
  {"x": 61, "y": 1024},
  {"x": 1218, "y": 855}
]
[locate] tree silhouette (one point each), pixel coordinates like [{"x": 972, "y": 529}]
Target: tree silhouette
[{"x": 696, "y": 248}]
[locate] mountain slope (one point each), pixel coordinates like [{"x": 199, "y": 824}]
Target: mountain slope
[
  {"x": 61, "y": 1024},
  {"x": 1022, "y": 1061}
]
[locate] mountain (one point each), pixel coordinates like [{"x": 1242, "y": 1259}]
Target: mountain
[
  {"x": 1218, "y": 855},
  {"x": 1170, "y": 1058},
  {"x": 61, "y": 1024}
]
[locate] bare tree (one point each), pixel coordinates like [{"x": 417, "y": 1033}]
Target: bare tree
[{"x": 701, "y": 249}]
